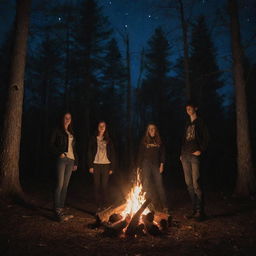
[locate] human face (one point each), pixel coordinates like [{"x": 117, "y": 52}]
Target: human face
[
  {"x": 101, "y": 127},
  {"x": 152, "y": 130},
  {"x": 191, "y": 110},
  {"x": 67, "y": 120}
]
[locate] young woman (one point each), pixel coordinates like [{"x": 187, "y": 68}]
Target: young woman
[
  {"x": 64, "y": 149},
  {"x": 151, "y": 162},
  {"x": 101, "y": 157}
]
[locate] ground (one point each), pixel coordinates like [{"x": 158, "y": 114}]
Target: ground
[{"x": 228, "y": 230}]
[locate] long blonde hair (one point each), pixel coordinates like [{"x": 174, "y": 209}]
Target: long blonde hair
[{"x": 147, "y": 139}]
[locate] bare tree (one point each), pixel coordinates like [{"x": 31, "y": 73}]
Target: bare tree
[
  {"x": 245, "y": 184},
  {"x": 10, "y": 146}
]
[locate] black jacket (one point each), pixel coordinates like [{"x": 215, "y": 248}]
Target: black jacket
[
  {"x": 59, "y": 144},
  {"x": 196, "y": 137},
  {"x": 92, "y": 151},
  {"x": 155, "y": 155}
]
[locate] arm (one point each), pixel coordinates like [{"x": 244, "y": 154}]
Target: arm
[
  {"x": 112, "y": 157},
  {"x": 75, "y": 154},
  {"x": 90, "y": 155},
  {"x": 53, "y": 147},
  {"x": 162, "y": 158},
  {"x": 203, "y": 136}
]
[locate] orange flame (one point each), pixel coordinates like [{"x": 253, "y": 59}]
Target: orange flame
[{"x": 135, "y": 199}]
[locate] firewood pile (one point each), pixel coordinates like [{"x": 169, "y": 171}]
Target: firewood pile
[{"x": 114, "y": 224}]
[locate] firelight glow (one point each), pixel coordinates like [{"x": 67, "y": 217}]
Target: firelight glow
[{"x": 135, "y": 199}]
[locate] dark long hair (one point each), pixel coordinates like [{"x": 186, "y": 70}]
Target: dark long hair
[
  {"x": 61, "y": 124},
  {"x": 147, "y": 139},
  {"x": 106, "y": 134}
]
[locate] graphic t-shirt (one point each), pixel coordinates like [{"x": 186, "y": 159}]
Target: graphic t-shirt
[{"x": 101, "y": 155}]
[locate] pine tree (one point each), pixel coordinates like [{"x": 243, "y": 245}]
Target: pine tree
[
  {"x": 156, "y": 78},
  {"x": 205, "y": 83},
  {"x": 44, "y": 94},
  {"x": 113, "y": 86},
  {"x": 246, "y": 184},
  {"x": 10, "y": 147},
  {"x": 205, "y": 74},
  {"x": 91, "y": 36}
]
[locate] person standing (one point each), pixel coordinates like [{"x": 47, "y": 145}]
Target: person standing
[
  {"x": 63, "y": 146},
  {"x": 101, "y": 157},
  {"x": 194, "y": 144},
  {"x": 151, "y": 160}
]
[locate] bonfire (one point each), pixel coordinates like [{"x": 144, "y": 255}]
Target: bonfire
[
  {"x": 132, "y": 218},
  {"x": 135, "y": 199}
]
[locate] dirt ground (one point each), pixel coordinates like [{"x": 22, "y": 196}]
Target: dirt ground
[{"x": 230, "y": 229}]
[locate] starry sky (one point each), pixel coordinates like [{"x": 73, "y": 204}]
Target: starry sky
[{"x": 139, "y": 18}]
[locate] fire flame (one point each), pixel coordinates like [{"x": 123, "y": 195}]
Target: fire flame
[{"x": 135, "y": 199}]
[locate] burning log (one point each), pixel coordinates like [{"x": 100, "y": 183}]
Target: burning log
[
  {"x": 133, "y": 225},
  {"x": 164, "y": 225},
  {"x": 151, "y": 228},
  {"x": 116, "y": 229},
  {"x": 114, "y": 218},
  {"x": 105, "y": 214}
]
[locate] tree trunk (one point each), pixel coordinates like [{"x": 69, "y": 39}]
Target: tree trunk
[
  {"x": 10, "y": 148},
  {"x": 245, "y": 184},
  {"x": 184, "y": 26}
]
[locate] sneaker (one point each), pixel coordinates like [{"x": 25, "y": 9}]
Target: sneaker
[{"x": 61, "y": 216}]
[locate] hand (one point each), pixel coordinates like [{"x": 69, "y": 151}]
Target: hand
[
  {"x": 110, "y": 172},
  {"x": 62, "y": 155},
  {"x": 197, "y": 153},
  {"x": 180, "y": 158},
  {"x": 161, "y": 168},
  {"x": 74, "y": 168},
  {"x": 91, "y": 170}
]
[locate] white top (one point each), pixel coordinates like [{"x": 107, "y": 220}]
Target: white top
[
  {"x": 101, "y": 155},
  {"x": 70, "y": 153}
]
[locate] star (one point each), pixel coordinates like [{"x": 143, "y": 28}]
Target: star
[
  {"x": 149, "y": 16},
  {"x": 59, "y": 18},
  {"x": 126, "y": 26}
]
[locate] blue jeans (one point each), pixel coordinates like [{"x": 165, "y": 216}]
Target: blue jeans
[
  {"x": 191, "y": 168},
  {"x": 64, "y": 171},
  {"x": 152, "y": 181}
]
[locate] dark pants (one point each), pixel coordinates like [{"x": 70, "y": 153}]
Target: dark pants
[
  {"x": 152, "y": 181},
  {"x": 64, "y": 171},
  {"x": 191, "y": 168},
  {"x": 101, "y": 176}
]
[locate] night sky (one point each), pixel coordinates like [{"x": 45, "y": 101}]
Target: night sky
[{"x": 140, "y": 17}]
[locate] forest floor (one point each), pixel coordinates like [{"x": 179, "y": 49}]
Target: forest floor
[{"x": 230, "y": 228}]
